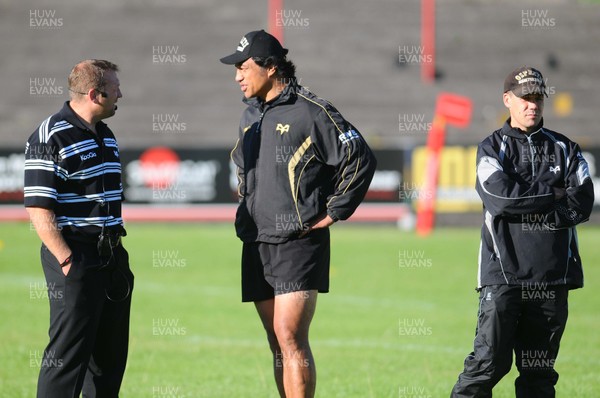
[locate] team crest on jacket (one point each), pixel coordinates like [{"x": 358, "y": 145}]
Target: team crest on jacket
[
  {"x": 555, "y": 169},
  {"x": 282, "y": 128}
]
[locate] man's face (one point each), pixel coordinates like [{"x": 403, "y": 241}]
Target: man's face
[
  {"x": 108, "y": 104},
  {"x": 525, "y": 112},
  {"x": 254, "y": 81}
]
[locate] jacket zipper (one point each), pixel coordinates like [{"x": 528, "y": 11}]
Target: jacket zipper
[
  {"x": 256, "y": 168},
  {"x": 532, "y": 157}
]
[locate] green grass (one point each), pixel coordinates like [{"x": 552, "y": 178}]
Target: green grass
[{"x": 218, "y": 348}]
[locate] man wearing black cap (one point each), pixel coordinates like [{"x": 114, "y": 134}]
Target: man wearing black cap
[
  {"x": 536, "y": 187},
  {"x": 301, "y": 166}
]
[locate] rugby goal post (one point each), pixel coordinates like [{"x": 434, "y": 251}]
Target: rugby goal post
[{"x": 450, "y": 110}]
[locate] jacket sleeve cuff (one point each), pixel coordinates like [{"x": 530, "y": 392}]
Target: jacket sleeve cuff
[{"x": 332, "y": 215}]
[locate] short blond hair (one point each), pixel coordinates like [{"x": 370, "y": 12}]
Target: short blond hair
[{"x": 89, "y": 74}]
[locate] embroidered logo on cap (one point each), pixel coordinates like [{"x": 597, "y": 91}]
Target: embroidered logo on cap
[{"x": 243, "y": 44}]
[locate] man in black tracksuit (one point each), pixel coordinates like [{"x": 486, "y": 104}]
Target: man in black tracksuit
[
  {"x": 535, "y": 187},
  {"x": 301, "y": 166}
]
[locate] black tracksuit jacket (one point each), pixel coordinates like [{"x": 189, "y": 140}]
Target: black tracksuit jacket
[
  {"x": 297, "y": 159},
  {"x": 528, "y": 236}
]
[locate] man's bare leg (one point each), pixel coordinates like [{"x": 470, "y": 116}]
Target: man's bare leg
[
  {"x": 293, "y": 313},
  {"x": 266, "y": 310}
]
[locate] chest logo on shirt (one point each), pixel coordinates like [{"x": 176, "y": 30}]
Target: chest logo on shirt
[
  {"x": 282, "y": 128},
  {"x": 116, "y": 153},
  {"x": 555, "y": 169},
  {"x": 87, "y": 156}
]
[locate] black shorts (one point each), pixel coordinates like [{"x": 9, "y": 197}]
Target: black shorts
[{"x": 296, "y": 265}]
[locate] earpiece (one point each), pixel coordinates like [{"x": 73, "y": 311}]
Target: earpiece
[{"x": 102, "y": 93}]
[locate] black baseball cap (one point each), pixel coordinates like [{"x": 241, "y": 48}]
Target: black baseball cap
[
  {"x": 525, "y": 81},
  {"x": 255, "y": 44}
]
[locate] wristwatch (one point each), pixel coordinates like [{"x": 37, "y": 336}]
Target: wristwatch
[{"x": 67, "y": 261}]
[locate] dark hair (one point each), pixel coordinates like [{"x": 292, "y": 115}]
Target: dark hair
[{"x": 284, "y": 67}]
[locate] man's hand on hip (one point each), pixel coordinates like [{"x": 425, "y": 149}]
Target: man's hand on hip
[{"x": 323, "y": 222}]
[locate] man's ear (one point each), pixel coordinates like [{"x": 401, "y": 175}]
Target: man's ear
[
  {"x": 93, "y": 95},
  {"x": 506, "y": 98},
  {"x": 271, "y": 71}
]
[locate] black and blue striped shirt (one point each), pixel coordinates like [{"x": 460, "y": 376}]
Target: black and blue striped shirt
[{"x": 75, "y": 173}]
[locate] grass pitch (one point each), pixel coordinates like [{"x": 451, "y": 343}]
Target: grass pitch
[{"x": 398, "y": 322}]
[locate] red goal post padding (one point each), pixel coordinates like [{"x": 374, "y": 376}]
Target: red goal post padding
[{"x": 450, "y": 109}]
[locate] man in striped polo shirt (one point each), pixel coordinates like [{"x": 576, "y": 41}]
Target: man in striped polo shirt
[{"x": 73, "y": 195}]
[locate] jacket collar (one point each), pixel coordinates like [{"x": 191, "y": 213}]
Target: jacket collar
[
  {"x": 289, "y": 92},
  {"x": 514, "y": 132}
]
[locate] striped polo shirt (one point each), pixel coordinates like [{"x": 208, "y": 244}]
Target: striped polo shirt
[{"x": 75, "y": 173}]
